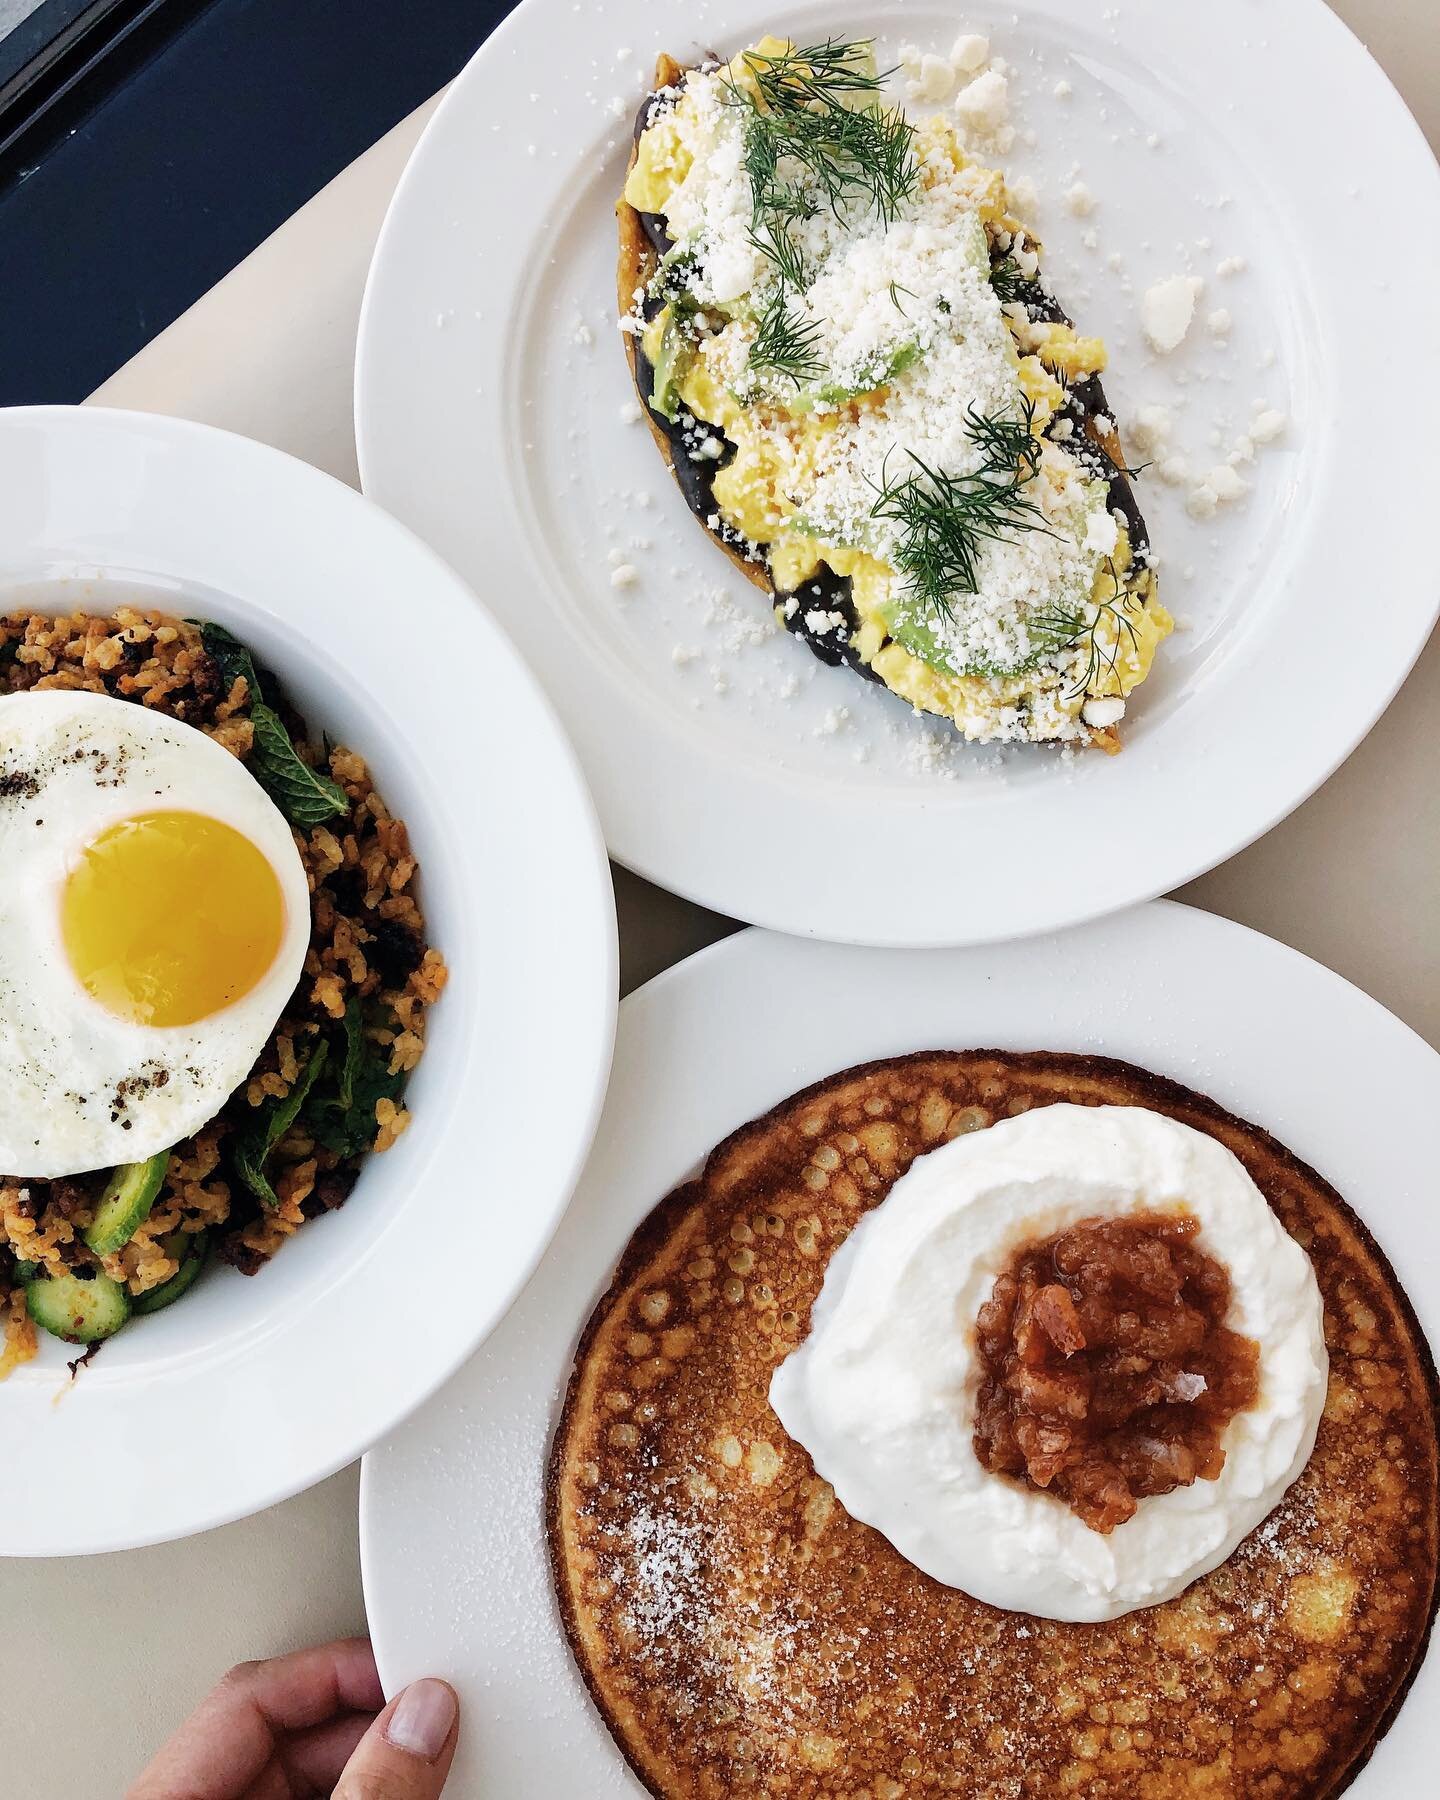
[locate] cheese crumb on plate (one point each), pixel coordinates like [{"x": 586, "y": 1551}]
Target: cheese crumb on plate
[{"x": 1167, "y": 309}]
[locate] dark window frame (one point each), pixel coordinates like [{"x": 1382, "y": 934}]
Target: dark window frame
[
  {"x": 58, "y": 48},
  {"x": 147, "y": 146}
]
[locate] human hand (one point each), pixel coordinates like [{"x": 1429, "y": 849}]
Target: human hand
[{"x": 309, "y": 1724}]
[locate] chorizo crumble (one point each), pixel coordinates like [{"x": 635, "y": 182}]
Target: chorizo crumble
[{"x": 1109, "y": 1374}]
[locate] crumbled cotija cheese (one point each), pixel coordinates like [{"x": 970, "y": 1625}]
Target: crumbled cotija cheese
[
  {"x": 970, "y": 52},
  {"x": 968, "y": 361},
  {"x": 1026, "y": 196},
  {"x": 984, "y": 104},
  {"x": 1222, "y": 484},
  {"x": 928, "y": 77},
  {"x": 1167, "y": 309}
]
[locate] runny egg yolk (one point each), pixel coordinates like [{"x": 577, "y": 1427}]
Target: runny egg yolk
[{"x": 170, "y": 916}]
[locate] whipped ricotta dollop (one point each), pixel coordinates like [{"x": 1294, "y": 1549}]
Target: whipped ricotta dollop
[{"x": 882, "y": 1393}]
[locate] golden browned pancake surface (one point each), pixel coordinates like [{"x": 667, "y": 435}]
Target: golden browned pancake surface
[{"x": 742, "y": 1635}]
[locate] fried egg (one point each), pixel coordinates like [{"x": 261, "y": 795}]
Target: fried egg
[{"x": 154, "y": 918}]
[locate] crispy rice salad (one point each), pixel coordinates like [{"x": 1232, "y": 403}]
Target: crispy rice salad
[{"x": 328, "y": 1089}]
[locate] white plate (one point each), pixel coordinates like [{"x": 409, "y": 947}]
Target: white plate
[
  {"x": 252, "y": 1389},
  {"x": 490, "y": 383},
  {"x": 456, "y": 1577}
]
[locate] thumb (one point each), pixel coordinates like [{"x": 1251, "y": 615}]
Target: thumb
[{"x": 407, "y": 1752}]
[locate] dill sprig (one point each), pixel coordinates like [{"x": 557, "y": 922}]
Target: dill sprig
[
  {"x": 1008, "y": 280},
  {"x": 787, "y": 342},
  {"x": 823, "y": 75},
  {"x": 774, "y": 242},
  {"x": 785, "y": 203},
  {"x": 944, "y": 520},
  {"x": 1061, "y": 630},
  {"x": 802, "y": 116},
  {"x": 1008, "y": 446}
]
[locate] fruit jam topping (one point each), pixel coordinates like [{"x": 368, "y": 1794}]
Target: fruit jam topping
[{"x": 1107, "y": 1373}]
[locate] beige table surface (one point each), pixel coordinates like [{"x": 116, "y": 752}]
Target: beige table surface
[{"x": 102, "y": 1655}]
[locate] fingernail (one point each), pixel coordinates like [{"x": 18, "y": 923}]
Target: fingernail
[{"x": 422, "y": 1719}]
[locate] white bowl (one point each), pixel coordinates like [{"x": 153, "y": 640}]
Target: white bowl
[{"x": 252, "y": 1389}]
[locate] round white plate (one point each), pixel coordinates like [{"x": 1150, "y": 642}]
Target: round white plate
[
  {"x": 252, "y": 1389},
  {"x": 457, "y": 1581},
  {"x": 726, "y": 762}
]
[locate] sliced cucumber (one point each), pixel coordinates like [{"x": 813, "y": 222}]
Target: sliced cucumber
[
  {"x": 80, "y": 1311},
  {"x": 192, "y": 1252},
  {"x": 125, "y": 1204}
]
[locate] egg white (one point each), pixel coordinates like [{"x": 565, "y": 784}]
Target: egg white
[{"x": 78, "y": 1087}]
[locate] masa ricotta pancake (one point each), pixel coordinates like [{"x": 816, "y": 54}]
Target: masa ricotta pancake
[
  {"x": 741, "y": 1633},
  {"x": 838, "y": 327}
]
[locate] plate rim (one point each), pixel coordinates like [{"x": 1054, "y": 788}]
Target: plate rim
[{"x": 596, "y": 1017}]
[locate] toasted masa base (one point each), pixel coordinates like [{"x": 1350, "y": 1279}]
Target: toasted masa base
[{"x": 741, "y": 1634}]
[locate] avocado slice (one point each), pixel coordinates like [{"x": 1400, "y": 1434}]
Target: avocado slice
[
  {"x": 882, "y": 371},
  {"x": 125, "y": 1204},
  {"x": 668, "y": 351},
  {"x": 80, "y": 1311},
  {"x": 676, "y": 269},
  {"x": 912, "y": 629},
  {"x": 192, "y": 1252}
]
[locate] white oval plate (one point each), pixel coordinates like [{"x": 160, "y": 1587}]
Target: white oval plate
[
  {"x": 489, "y": 391},
  {"x": 457, "y": 1580},
  {"x": 253, "y": 1389}
]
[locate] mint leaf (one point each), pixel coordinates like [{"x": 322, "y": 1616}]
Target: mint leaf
[
  {"x": 341, "y": 1113},
  {"x": 354, "y": 1053},
  {"x": 252, "y": 1146},
  {"x": 231, "y": 657},
  {"x": 304, "y": 795},
  {"x": 249, "y": 1163}
]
